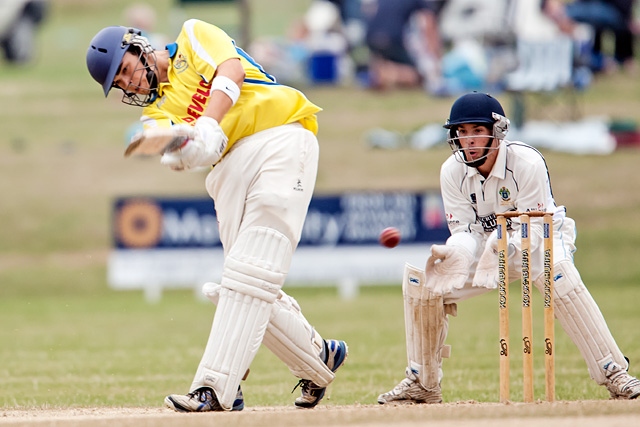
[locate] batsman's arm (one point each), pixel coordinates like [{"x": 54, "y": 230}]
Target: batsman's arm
[
  {"x": 225, "y": 88},
  {"x": 209, "y": 142}
]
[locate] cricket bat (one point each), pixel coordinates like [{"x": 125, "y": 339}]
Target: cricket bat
[{"x": 157, "y": 141}]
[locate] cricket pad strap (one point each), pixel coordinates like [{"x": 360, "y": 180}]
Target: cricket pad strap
[
  {"x": 426, "y": 327},
  {"x": 253, "y": 273},
  {"x": 583, "y": 321}
]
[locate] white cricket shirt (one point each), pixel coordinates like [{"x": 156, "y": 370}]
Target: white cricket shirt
[{"x": 518, "y": 181}]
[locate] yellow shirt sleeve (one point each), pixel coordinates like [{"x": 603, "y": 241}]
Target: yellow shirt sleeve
[{"x": 263, "y": 103}]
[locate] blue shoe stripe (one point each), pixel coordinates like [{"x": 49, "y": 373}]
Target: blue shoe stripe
[
  {"x": 340, "y": 354},
  {"x": 238, "y": 404}
]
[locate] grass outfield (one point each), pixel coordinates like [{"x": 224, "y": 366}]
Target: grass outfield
[
  {"x": 67, "y": 341},
  {"x": 113, "y": 349}
]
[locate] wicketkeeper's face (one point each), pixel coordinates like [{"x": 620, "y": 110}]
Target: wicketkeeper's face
[{"x": 474, "y": 140}]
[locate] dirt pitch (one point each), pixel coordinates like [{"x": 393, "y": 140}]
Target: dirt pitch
[{"x": 596, "y": 413}]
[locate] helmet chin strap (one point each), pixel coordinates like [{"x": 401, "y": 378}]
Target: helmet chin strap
[{"x": 480, "y": 161}]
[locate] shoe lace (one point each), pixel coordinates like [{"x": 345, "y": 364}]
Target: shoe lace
[
  {"x": 200, "y": 394},
  {"x": 305, "y": 386}
]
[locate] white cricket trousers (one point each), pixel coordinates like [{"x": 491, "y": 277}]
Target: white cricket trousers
[{"x": 267, "y": 180}]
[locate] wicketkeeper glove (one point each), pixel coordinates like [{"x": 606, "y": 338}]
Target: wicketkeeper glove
[
  {"x": 486, "y": 275},
  {"x": 204, "y": 147},
  {"x": 447, "y": 268}
]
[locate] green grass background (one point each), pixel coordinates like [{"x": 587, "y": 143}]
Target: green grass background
[{"x": 66, "y": 340}]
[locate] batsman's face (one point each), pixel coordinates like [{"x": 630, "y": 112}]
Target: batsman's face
[
  {"x": 132, "y": 75},
  {"x": 474, "y": 140}
]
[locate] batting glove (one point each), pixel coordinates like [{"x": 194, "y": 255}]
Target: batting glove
[
  {"x": 447, "y": 268},
  {"x": 204, "y": 148}
]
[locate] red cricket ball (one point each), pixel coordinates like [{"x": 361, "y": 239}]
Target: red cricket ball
[{"x": 390, "y": 237}]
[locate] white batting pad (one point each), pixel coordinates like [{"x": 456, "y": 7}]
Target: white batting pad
[
  {"x": 426, "y": 327},
  {"x": 294, "y": 341},
  {"x": 582, "y": 320},
  {"x": 290, "y": 337},
  {"x": 253, "y": 274}
]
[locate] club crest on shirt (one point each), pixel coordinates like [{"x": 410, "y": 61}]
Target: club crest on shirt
[
  {"x": 180, "y": 63},
  {"x": 505, "y": 194}
]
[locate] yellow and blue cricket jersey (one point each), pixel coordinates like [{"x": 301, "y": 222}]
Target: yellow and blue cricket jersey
[{"x": 263, "y": 103}]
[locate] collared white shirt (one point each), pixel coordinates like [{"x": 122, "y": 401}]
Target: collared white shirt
[{"x": 519, "y": 181}]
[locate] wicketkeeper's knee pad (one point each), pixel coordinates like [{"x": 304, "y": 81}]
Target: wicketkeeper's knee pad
[
  {"x": 253, "y": 274},
  {"x": 582, "y": 320}
]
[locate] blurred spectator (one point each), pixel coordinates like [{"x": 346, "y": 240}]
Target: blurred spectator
[
  {"x": 353, "y": 19},
  {"x": 326, "y": 43},
  {"x": 354, "y": 27},
  {"x": 20, "y": 21},
  {"x": 143, "y": 17},
  {"x": 404, "y": 41},
  {"x": 315, "y": 49},
  {"x": 614, "y": 16}
]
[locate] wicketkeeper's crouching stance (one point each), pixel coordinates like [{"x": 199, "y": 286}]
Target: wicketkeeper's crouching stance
[
  {"x": 209, "y": 105},
  {"x": 487, "y": 175}
]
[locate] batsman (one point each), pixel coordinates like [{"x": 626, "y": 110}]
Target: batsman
[
  {"x": 486, "y": 175},
  {"x": 258, "y": 139}
]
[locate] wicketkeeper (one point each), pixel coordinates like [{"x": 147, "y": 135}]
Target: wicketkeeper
[
  {"x": 259, "y": 138},
  {"x": 488, "y": 174}
]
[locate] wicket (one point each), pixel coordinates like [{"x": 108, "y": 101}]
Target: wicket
[{"x": 527, "y": 316}]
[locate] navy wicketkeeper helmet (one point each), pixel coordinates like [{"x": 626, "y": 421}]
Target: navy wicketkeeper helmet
[{"x": 476, "y": 108}]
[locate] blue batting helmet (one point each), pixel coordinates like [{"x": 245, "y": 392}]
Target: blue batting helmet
[{"x": 105, "y": 54}]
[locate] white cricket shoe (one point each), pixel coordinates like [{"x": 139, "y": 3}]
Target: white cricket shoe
[
  {"x": 623, "y": 386},
  {"x": 410, "y": 391}
]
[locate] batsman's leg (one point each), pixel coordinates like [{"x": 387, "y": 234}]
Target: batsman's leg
[
  {"x": 426, "y": 326},
  {"x": 294, "y": 341},
  {"x": 307, "y": 355},
  {"x": 253, "y": 274}
]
